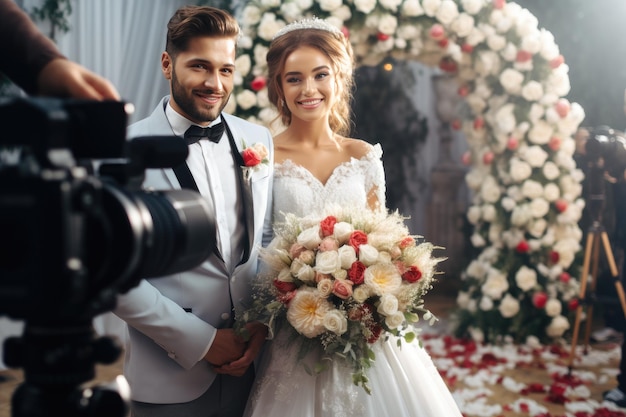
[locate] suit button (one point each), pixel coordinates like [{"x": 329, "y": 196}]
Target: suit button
[
  {"x": 171, "y": 355},
  {"x": 225, "y": 316}
]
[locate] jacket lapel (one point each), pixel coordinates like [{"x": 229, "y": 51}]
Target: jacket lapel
[{"x": 246, "y": 192}]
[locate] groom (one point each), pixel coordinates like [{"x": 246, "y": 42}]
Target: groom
[{"x": 183, "y": 357}]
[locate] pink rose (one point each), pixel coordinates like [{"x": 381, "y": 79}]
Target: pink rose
[
  {"x": 295, "y": 250},
  {"x": 356, "y": 273},
  {"x": 328, "y": 244},
  {"x": 357, "y": 238},
  {"x": 342, "y": 288}
]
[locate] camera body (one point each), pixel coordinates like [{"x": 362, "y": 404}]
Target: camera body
[{"x": 72, "y": 240}]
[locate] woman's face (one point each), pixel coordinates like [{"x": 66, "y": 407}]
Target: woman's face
[{"x": 308, "y": 82}]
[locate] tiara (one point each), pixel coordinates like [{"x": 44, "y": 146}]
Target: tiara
[{"x": 308, "y": 23}]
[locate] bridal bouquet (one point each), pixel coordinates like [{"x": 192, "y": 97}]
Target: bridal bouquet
[{"x": 344, "y": 281}]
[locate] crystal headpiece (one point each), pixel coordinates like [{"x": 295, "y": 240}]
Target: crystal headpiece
[{"x": 308, "y": 23}]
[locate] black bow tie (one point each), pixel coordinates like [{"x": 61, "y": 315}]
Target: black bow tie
[{"x": 213, "y": 133}]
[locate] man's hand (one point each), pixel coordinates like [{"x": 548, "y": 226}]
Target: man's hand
[
  {"x": 226, "y": 348},
  {"x": 258, "y": 334}
]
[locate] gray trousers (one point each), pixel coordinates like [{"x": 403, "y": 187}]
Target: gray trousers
[{"x": 226, "y": 397}]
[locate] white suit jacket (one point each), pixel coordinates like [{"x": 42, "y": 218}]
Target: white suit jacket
[{"x": 166, "y": 341}]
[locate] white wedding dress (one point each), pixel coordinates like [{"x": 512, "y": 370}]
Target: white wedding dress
[{"x": 403, "y": 380}]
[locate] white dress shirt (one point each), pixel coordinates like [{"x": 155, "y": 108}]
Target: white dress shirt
[{"x": 214, "y": 171}]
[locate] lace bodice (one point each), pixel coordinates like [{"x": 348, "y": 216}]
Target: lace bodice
[{"x": 298, "y": 191}]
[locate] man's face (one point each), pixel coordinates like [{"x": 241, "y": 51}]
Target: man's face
[{"x": 201, "y": 77}]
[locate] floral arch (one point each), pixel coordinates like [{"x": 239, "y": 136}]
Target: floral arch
[{"x": 526, "y": 188}]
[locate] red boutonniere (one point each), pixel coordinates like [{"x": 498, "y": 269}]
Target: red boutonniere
[{"x": 254, "y": 155}]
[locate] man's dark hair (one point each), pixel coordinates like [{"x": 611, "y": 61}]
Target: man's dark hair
[{"x": 193, "y": 21}]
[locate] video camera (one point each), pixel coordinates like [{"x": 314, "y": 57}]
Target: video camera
[{"x": 76, "y": 230}]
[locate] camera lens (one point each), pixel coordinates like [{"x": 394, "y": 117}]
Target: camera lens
[{"x": 147, "y": 234}]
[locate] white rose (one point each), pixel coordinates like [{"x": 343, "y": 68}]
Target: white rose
[
  {"x": 486, "y": 303},
  {"x": 270, "y": 3},
  {"x": 520, "y": 215},
  {"x": 361, "y": 293},
  {"x": 476, "y": 269},
  {"x": 511, "y": 80},
  {"x": 477, "y": 240},
  {"x": 476, "y": 334},
  {"x": 268, "y": 26},
  {"x": 325, "y": 287},
  {"x": 335, "y": 321},
  {"x": 310, "y": 238},
  {"x": 246, "y": 99},
  {"x": 285, "y": 275},
  {"x": 447, "y": 12},
  {"x": 553, "y": 307},
  {"x": 388, "y": 24},
  {"x": 551, "y": 192},
  {"x": 472, "y": 6},
  {"x": 327, "y": 262},
  {"x": 532, "y": 189},
  {"x": 388, "y": 304},
  {"x": 463, "y": 25},
  {"x": 490, "y": 190},
  {"x": 487, "y": 63},
  {"x": 251, "y": 15},
  {"x": 368, "y": 254},
  {"x": 347, "y": 256},
  {"x": 412, "y": 8},
  {"x": 431, "y": 6},
  {"x": 306, "y": 273},
  {"x": 304, "y": 4},
  {"x": 539, "y": 207},
  {"x": 534, "y": 155},
  {"x": 496, "y": 42},
  {"x": 537, "y": 227},
  {"x": 365, "y": 6},
  {"x": 509, "y": 306},
  {"x": 330, "y": 5},
  {"x": 390, "y": 4},
  {"x": 489, "y": 212},
  {"x": 462, "y": 299},
  {"x": 495, "y": 285},
  {"x": 526, "y": 278},
  {"x": 343, "y": 13},
  {"x": 243, "y": 63},
  {"x": 532, "y": 91},
  {"x": 295, "y": 266},
  {"x": 260, "y": 52},
  {"x": 342, "y": 232},
  {"x": 557, "y": 326},
  {"x": 519, "y": 170},
  {"x": 290, "y": 11},
  {"x": 340, "y": 274},
  {"x": 551, "y": 171},
  {"x": 505, "y": 118},
  {"x": 395, "y": 320},
  {"x": 508, "y": 203},
  {"x": 541, "y": 132}
]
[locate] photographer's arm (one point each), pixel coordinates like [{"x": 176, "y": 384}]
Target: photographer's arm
[{"x": 33, "y": 62}]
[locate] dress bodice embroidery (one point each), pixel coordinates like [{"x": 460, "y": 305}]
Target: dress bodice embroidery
[{"x": 298, "y": 191}]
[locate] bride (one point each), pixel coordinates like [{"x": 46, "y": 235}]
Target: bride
[{"x": 310, "y": 81}]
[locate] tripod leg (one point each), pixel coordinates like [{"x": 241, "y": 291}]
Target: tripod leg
[
  {"x": 594, "y": 280},
  {"x": 618, "y": 285},
  {"x": 581, "y": 297}
]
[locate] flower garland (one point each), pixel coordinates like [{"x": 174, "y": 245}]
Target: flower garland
[{"x": 525, "y": 184}]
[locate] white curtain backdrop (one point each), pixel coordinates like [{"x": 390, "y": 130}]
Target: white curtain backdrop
[{"x": 123, "y": 41}]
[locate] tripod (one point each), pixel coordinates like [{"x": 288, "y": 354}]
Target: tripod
[{"x": 595, "y": 235}]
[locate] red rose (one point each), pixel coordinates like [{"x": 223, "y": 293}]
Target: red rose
[
  {"x": 376, "y": 330},
  {"x": 406, "y": 242},
  {"x": 258, "y": 83},
  {"x": 467, "y": 48},
  {"x": 357, "y": 238},
  {"x": 448, "y": 65},
  {"x": 436, "y": 31},
  {"x": 413, "y": 274},
  {"x": 573, "y": 304},
  {"x": 327, "y": 226},
  {"x": 356, "y": 273},
  {"x": 382, "y": 36},
  {"x": 564, "y": 277},
  {"x": 283, "y": 286},
  {"x": 523, "y": 56},
  {"x": 540, "y": 299},
  {"x": 250, "y": 157},
  {"x": 522, "y": 247},
  {"x": 554, "y": 256},
  {"x": 557, "y": 62},
  {"x": 287, "y": 297}
]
